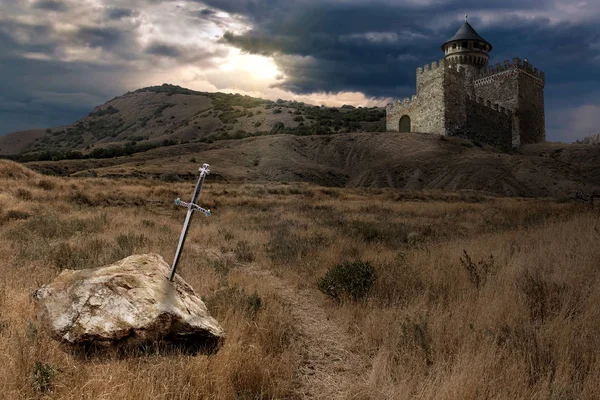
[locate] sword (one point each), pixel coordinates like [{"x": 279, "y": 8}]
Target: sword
[{"x": 191, "y": 206}]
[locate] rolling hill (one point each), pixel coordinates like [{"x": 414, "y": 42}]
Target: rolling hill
[{"x": 166, "y": 115}]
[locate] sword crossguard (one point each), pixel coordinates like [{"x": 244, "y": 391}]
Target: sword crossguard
[{"x": 192, "y": 206}]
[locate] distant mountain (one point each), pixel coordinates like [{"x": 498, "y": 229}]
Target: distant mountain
[
  {"x": 592, "y": 139},
  {"x": 167, "y": 115}
]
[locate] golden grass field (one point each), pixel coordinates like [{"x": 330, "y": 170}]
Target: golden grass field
[{"x": 515, "y": 317}]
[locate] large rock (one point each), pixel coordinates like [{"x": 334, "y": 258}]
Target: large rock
[{"x": 128, "y": 303}]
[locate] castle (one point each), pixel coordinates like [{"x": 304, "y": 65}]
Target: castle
[{"x": 461, "y": 96}]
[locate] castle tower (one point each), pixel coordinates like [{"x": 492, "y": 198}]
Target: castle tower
[
  {"x": 467, "y": 48},
  {"x": 469, "y": 51}
]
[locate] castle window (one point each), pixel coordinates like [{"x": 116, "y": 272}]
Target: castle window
[
  {"x": 464, "y": 45},
  {"x": 454, "y": 46}
]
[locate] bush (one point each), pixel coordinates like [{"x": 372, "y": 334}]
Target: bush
[
  {"x": 43, "y": 375},
  {"x": 244, "y": 252},
  {"x": 169, "y": 177},
  {"x": 348, "y": 280},
  {"x": 46, "y": 184},
  {"x": 478, "y": 271},
  {"x": 233, "y": 297}
]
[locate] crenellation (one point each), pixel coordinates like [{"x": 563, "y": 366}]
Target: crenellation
[
  {"x": 492, "y": 106},
  {"x": 434, "y": 67}
]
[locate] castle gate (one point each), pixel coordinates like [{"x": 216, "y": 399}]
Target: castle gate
[{"x": 405, "y": 123}]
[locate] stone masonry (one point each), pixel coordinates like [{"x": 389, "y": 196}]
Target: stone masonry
[{"x": 501, "y": 105}]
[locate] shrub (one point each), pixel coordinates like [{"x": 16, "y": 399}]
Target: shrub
[
  {"x": 169, "y": 177},
  {"x": 46, "y": 184},
  {"x": 243, "y": 251},
  {"x": 233, "y": 297},
  {"x": 299, "y": 118},
  {"x": 43, "y": 374},
  {"x": 348, "y": 280},
  {"x": 17, "y": 214},
  {"x": 478, "y": 272},
  {"x": 277, "y": 111}
]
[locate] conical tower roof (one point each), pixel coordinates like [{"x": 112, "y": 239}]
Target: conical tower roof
[{"x": 466, "y": 32}]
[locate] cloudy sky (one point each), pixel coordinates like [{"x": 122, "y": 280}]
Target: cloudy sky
[{"x": 60, "y": 58}]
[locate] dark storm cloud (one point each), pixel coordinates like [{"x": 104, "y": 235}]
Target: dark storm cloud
[
  {"x": 39, "y": 93},
  {"x": 50, "y": 5},
  {"x": 105, "y": 37},
  {"x": 347, "y": 53},
  {"x": 206, "y": 12},
  {"x": 162, "y": 49},
  {"x": 119, "y": 13}
]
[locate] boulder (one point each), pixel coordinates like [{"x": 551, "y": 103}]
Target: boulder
[{"x": 126, "y": 304}]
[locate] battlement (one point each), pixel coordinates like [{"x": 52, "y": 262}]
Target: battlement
[
  {"x": 434, "y": 66},
  {"x": 406, "y": 102},
  {"x": 514, "y": 67},
  {"x": 487, "y": 103}
]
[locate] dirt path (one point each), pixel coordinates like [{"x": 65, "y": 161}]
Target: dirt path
[{"x": 328, "y": 369}]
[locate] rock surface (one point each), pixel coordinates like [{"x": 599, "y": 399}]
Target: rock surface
[{"x": 128, "y": 303}]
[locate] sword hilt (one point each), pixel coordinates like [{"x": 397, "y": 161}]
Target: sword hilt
[{"x": 192, "y": 206}]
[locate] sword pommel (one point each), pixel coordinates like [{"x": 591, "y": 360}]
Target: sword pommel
[{"x": 204, "y": 169}]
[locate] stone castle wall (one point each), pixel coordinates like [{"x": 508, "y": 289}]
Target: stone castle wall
[
  {"x": 455, "y": 95},
  {"x": 426, "y": 108},
  {"x": 430, "y": 95},
  {"x": 502, "y": 105},
  {"x": 520, "y": 87},
  {"x": 488, "y": 123}
]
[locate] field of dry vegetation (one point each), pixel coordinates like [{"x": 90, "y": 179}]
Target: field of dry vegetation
[{"x": 475, "y": 297}]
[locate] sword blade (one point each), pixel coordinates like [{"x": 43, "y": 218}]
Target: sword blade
[{"x": 184, "y": 231}]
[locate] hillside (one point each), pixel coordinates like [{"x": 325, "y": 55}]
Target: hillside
[
  {"x": 166, "y": 115},
  {"x": 396, "y": 160}
]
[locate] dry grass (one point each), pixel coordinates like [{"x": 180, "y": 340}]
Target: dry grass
[{"x": 476, "y": 297}]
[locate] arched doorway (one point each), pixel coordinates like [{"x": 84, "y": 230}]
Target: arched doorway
[{"x": 405, "y": 123}]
